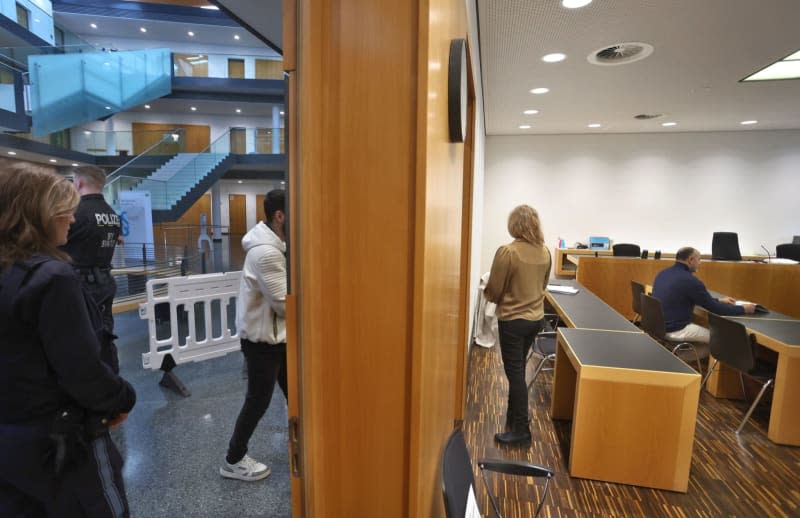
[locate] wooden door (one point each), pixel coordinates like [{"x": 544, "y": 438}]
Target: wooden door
[
  {"x": 238, "y": 141},
  {"x": 236, "y": 68},
  {"x": 237, "y": 215},
  {"x": 179, "y": 235},
  {"x": 196, "y": 137},
  {"x": 260, "y": 215},
  {"x": 269, "y": 69}
]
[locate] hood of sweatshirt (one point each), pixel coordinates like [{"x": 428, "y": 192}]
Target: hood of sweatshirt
[{"x": 261, "y": 234}]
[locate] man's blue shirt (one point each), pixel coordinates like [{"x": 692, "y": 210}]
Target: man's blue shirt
[{"x": 679, "y": 292}]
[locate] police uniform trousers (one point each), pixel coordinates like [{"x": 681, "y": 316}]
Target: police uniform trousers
[{"x": 92, "y": 488}]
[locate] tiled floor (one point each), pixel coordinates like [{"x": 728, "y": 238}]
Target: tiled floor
[{"x": 173, "y": 446}]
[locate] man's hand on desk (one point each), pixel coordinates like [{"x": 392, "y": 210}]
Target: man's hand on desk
[
  {"x": 728, "y": 300},
  {"x": 749, "y": 308}
]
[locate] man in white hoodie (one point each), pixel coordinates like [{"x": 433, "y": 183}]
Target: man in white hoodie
[{"x": 260, "y": 319}]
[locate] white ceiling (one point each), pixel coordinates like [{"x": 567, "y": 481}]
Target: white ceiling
[{"x": 702, "y": 48}]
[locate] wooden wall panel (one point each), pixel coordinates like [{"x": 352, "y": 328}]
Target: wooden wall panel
[
  {"x": 198, "y": 137},
  {"x": 440, "y": 240},
  {"x": 378, "y": 253}
]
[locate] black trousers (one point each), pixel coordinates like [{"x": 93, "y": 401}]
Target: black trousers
[
  {"x": 266, "y": 364},
  {"x": 516, "y": 338},
  {"x": 28, "y": 487}
]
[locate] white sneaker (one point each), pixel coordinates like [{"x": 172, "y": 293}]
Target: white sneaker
[{"x": 247, "y": 469}]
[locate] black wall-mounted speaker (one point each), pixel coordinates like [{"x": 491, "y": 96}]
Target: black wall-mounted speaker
[
  {"x": 644, "y": 254},
  {"x": 658, "y": 254}
]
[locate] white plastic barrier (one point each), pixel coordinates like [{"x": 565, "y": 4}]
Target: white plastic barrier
[{"x": 207, "y": 300}]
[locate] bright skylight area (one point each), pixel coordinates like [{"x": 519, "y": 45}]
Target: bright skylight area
[{"x": 787, "y": 68}]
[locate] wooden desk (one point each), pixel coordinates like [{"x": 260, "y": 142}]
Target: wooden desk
[
  {"x": 586, "y": 310},
  {"x": 633, "y": 407},
  {"x": 775, "y": 286},
  {"x": 782, "y": 335}
]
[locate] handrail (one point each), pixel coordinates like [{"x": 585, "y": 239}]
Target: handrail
[{"x": 116, "y": 172}]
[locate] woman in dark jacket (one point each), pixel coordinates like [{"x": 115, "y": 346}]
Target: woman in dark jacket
[
  {"x": 517, "y": 284},
  {"x": 57, "y": 397}
]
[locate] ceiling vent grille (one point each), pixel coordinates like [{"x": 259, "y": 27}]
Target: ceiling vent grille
[
  {"x": 647, "y": 116},
  {"x": 620, "y": 53}
]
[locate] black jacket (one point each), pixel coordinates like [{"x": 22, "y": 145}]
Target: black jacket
[{"x": 50, "y": 349}]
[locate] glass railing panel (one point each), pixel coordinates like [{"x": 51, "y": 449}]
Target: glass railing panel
[
  {"x": 227, "y": 66},
  {"x": 73, "y": 88}
]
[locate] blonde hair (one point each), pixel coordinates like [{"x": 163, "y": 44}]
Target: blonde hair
[
  {"x": 30, "y": 198},
  {"x": 523, "y": 223},
  {"x": 92, "y": 175}
]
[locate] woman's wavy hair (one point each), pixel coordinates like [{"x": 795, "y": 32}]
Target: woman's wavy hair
[
  {"x": 30, "y": 198},
  {"x": 523, "y": 223}
]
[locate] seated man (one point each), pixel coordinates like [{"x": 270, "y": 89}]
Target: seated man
[{"x": 679, "y": 291}]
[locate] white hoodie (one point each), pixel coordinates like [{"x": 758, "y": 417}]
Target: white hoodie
[{"x": 261, "y": 305}]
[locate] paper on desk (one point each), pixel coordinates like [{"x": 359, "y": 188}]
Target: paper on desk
[{"x": 557, "y": 288}]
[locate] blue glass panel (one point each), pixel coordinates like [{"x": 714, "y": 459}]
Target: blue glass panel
[{"x": 71, "y": 89}]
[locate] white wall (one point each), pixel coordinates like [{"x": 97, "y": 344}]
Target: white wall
[{"x": 661, "y": 191}]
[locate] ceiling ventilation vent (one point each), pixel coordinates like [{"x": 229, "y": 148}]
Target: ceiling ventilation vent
[
  {"x": 620, "y": 53},
  {"x": 647, "y": 116}
]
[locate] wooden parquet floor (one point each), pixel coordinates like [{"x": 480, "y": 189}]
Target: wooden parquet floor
[{"x": 746, "y": 476}]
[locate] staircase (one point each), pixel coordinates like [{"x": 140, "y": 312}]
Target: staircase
[{"x": 170, "y": 183}]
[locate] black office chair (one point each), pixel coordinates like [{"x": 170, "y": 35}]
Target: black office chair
[
  {"x": 544, "y": 346},
  {"x": 653, "y": 324},
  {"x": 788, "y": 251},
  {"x": 725, "y": 246},
  {"x": 731, "y": 345},
  {"x": 637, "y": 288},
  {"x": 796, "y": 240},
  {"x": 626, "y": 250},
  {"x": 458, "y": 481}
]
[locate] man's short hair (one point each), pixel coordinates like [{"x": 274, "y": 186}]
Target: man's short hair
[
  {"x": 274, "y": 201},
  {"x": 95, "y": 176},
  {"x": 685, "y": 253}
]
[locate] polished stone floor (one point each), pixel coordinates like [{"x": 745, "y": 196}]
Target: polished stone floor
[{"x": 173, "y": 446}]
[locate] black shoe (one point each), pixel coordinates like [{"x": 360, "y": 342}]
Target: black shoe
[{"x": 513, "y": 437}]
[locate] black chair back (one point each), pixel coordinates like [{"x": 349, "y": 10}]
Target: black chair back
[
  {"x": 730, "y": 343},
  {"x": 652, "y": 317},
  {"x": 626, "y": 250},
  {"x": 788, "y": 251},
  {"x": 457, "y": 478},
  {"x": 796, "y": 240},
  {"x": 725, "y": 246},
  {"x": 637, "y": 289}
]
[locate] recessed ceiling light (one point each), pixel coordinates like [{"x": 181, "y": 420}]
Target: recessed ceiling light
[
  {"x": 283, "y": 183},
  {"x": 574, "y": 4},
  {"x": 190, "y": 33},
  {"x": 108, "y": 107},
  {"x": 531, "y": 112},
  {"x": 193, "y": 108},
  {"x": 540, "y": 90},
  {"x": 210, "y": 7},
  {"x": 594, "y": 125},
  {"x": 282, "y": 113},
  {"x": 747, "y": 123},
  {"x": 53, "y": 160},
  {"x": 668, "y": 124},
  {"x": 93, "y": 25},
  {"x": 525, "y": 126},
  {"x": 74, "y": 165},
  {"x": 142, "y": 29},
  {"x": 238, "y": 110},
  {"x": 12, "y": 153},
  {"x": 787, "y": 68},
  {"x": 554, "y": 57},
  {"x": 146, "y": 106},
  {"x": 87, "y": 132},
  {"x": 239, "y": 181},
  {"x": 236, "y": 36}
]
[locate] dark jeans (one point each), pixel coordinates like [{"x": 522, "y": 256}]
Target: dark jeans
[
  {"x": 516, "y": 338},
  {"x": 91, "y": 489},
  {"x": 266, "y": 363}
]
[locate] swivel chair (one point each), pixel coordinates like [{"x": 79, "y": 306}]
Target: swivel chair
[
  {"x": 626, "y": 250},
  {"x": 788, "y": 251},
  {"x": 653, "y": 324},
  {"x": 731, "y": 345},
  {"x": 725, "y": 246},
  {"x": 458, "y": 481}
]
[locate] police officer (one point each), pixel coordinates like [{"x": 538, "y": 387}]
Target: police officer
[
  {"x": 58, "y": 396},
  {"x": 90, "y": 244}
]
